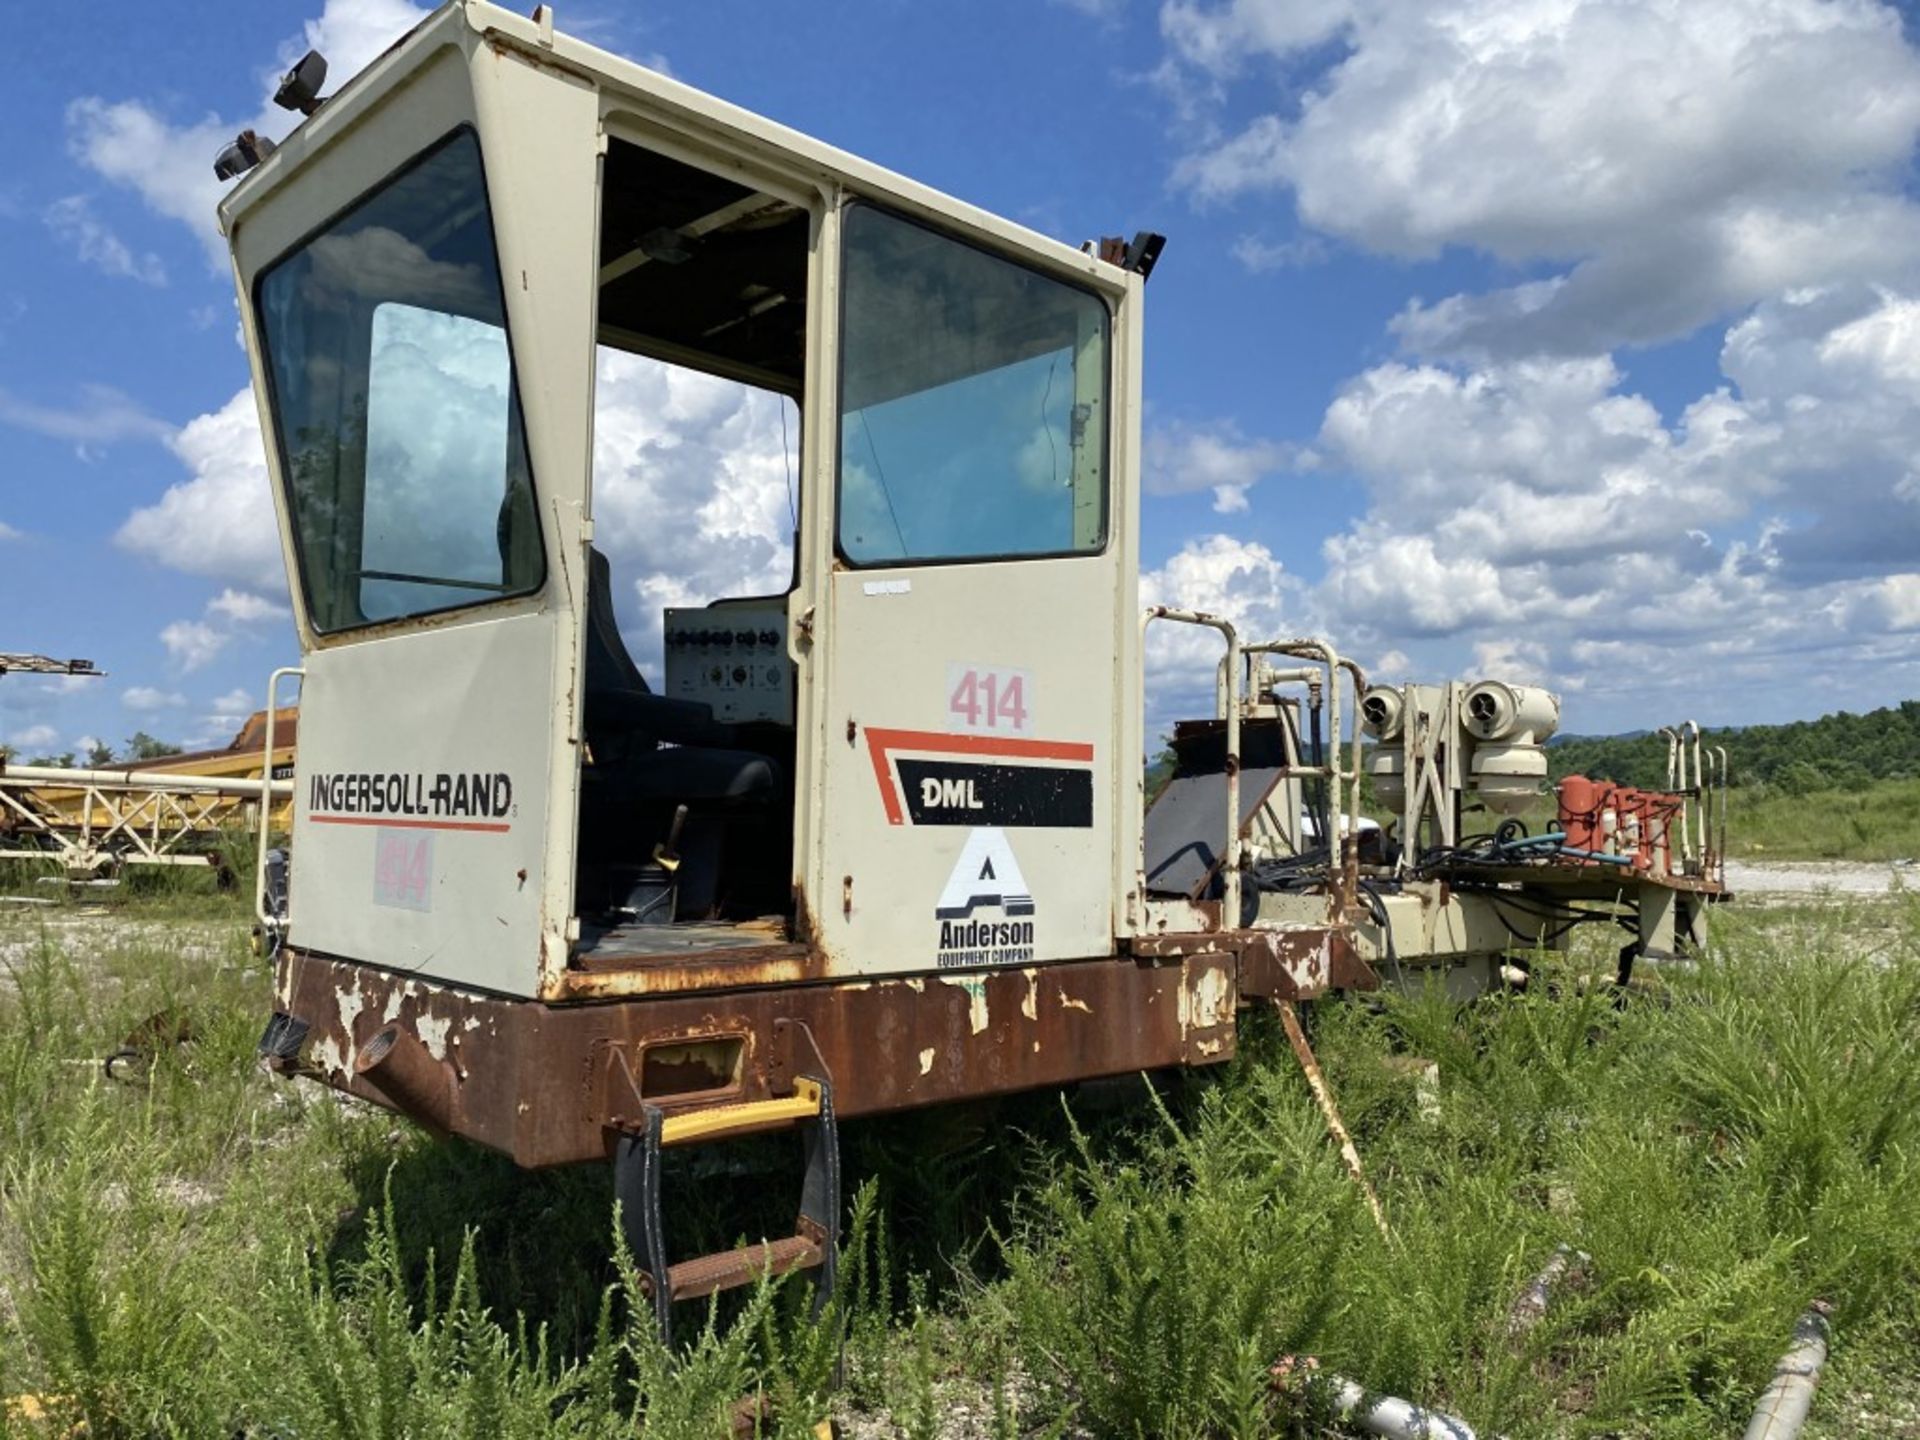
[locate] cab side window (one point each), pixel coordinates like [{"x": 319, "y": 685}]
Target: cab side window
[{"x": 972, "y": 399}]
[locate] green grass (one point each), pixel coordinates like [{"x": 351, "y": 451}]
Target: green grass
[
  {"x": 1876, "y": 821},
  {"x": 211, "y": 1252}
]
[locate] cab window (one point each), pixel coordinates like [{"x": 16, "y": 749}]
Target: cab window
[
  {"x": 973, "y": 395},
  {"x": 395, "y": 411}
]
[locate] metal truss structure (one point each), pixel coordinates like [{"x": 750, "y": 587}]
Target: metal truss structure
[{"x": 96, "y": 821}]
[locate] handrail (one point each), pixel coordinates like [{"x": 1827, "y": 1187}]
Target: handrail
[
  {"x": 1720, "y": 850},
  {"x": 270, "y": 922},
  {"x": 1342, "y": 846},
  {"x": 1230, "y": 888},
  {"x": 1700, "y": 789}
]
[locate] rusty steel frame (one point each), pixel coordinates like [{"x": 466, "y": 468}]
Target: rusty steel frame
[
  {"x": 552, "y": 1084},
  {"x": 151, "y": 818}
]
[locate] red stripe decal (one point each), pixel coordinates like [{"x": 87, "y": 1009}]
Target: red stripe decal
[
  {"x": 482, "y": 826},
  {"x": 881, "y": 743}
]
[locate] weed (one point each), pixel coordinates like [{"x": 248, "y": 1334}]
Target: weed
[{"x": 206, "y": 1251}]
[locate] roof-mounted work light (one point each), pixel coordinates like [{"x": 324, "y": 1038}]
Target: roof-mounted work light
[
  {"x": 1140, "y": 254},
  {"x": 246, "y": 151},
  {"x": 299, "y": 90},
  {"x": 300, "y": 86}
]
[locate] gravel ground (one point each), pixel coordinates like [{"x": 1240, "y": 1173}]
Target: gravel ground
[
  {"x": 83, "y": 929},
  {"x": 1800, "y": 879}
]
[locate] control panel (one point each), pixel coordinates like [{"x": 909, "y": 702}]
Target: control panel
[{"x": 733, "y": 657}]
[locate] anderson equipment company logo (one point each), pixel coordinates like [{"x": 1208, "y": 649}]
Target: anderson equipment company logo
[
  {"x": 448, "y": 800},
  {"x": 985, "y": 877}
]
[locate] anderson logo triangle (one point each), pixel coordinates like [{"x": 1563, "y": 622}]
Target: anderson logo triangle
[
  {"x": 985, "y": 874},
  {"x": 986, "y": 877}
]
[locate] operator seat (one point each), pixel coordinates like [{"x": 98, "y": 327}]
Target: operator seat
[{"x": 626, "y": 724}]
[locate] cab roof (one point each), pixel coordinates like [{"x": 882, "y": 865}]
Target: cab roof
[{"x": 473, "y": 24}]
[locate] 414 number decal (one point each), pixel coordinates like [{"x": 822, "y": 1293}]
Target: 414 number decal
[{"x": 986, "y": 699}]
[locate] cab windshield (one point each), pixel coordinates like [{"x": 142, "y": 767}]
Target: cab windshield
[{"x": 395, "y": 411}]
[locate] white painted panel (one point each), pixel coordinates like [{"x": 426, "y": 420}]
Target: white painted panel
[
  {"x": 923, "y": 815},
  {"x": 410, "y": 849}
]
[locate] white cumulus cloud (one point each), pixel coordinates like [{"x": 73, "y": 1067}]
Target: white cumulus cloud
[
  {"x": 218, "y": 523},
  {"x": 1543, "y": 515},
  {"x": 1237, "y": 580},
  {"x": 1671, "y": 161},
  {"x": 147, "y": 698},
  {"x": 94, "y": 243},
  {"x": 33, "y": 737},
  {"x": 240, "y": 607},
  {"x": 193, "y": 643},
  {"x": 1181, "y": 457},
  {"x": 168, "y": 162}
]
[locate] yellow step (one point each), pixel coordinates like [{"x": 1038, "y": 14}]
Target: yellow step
[{"x": 722, "y": 1120}]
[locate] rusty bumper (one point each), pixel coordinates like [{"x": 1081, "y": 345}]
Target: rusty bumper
[
  {"x": 552, "y": 1084},
  {"x": 1279, "y": 963}
]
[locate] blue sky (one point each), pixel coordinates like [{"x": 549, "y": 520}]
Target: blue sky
[{"x": 1570, "y": 340}]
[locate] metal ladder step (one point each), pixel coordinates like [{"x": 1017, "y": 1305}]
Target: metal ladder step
[
  {"x": 813, "y": 1246},
  {"x": 728, "y": 1269},
  {"x": 720, "y": 1122}
]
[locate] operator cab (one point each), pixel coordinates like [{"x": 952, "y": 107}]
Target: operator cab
[{"x": 555, "y": 742}]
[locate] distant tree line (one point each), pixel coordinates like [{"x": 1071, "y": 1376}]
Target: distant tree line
[
  {"x": 140, "y": 746},
  {"x": 1835, "y": 752}
]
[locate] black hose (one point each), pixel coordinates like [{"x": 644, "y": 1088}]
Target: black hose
[
  {"x": 1378, "y": 906},
  {"x": 1322, "y": 821}
]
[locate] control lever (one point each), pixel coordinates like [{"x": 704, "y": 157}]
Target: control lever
[{"x": 666, "y": 854}]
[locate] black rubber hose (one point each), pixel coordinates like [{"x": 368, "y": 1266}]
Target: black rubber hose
[{"x": 1322, "y": 821}]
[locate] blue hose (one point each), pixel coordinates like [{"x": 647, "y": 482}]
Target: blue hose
[{"x": 1624, "y": 860}]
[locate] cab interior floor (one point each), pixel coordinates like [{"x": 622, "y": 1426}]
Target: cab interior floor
[{"x": 641, "y": 940}]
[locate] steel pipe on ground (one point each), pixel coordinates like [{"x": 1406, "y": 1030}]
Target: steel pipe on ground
[
  {"x": 1788, "y": 1398},
  {"x": 1394, "y": 1418},
  {"x": 1385, "y": 1415}
]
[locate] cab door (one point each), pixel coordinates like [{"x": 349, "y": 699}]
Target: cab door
[
  {"x": 970, "y": 633},
  {"x": 418, "y": 302}
]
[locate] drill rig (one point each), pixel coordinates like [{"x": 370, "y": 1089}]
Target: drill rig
[{"x": 874, "y": 842}]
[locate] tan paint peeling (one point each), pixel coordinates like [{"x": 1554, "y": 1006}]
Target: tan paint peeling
[
  {"x": 351, "y": 1004},
  {"x": 926, "y": 1061},
  {"x": 1067, "y": 1002},
  {"x": 1030, "y": 1002},
  {"x": 1207, "y": 1002},
  {"x": 433, "y": 1034},
  {"x": 327, "y": 1055}
]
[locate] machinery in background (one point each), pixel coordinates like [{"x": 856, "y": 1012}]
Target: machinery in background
[
  {"x": 732, "y": 657},
  {"x": 1422, "y": 898},
  {"x": 171, "y": 810},
  {"x": 45, "y": 665}
]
